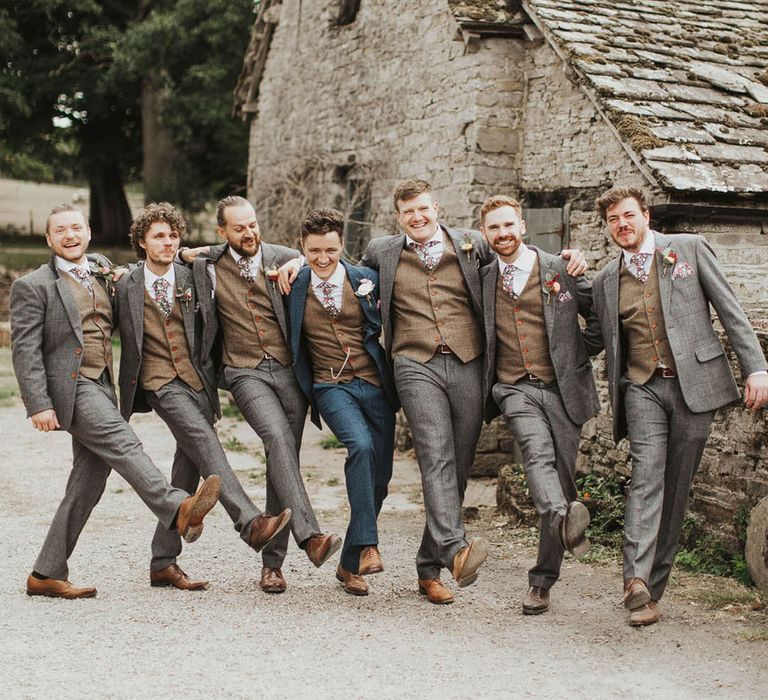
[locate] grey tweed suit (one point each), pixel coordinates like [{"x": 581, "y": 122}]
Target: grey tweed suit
[
  {"x": 667, "y": 419},
  {"x": 47, "y": 342},
  {"x": 189, "y": 414},
  {"x": 443, "y": 402},
  {"x": 270, "y": 400},
  {"x": 546, "y": 419}
]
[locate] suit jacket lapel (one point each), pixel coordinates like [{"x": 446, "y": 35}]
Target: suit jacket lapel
[
  {"x": 298, "y": 301},
  {"x": 355, "y": 276},
  {"x": 489, "y": 282},
  {"x": 268, "y": 261},
  {"x": 184, "y": 283},
  {"x": 136, "y": 303},
  {"x": 611, "y": 285},
  {"x": 69, "y": 304},
  {"x": 468, "y": 268},
  {"x": 388, "y": 268},
  {"x": 665, "y": 279},
  {"x": 550, "y": 301}
]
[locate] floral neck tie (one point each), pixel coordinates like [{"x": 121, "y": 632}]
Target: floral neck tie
[
  {"x": 507, "y": 279},
  {"x": 160, "y": 287},
  {"x": 638, "y": 260},
  {"x": 84, "y": 277},
  {"x": 328, "y": 304},
  {"x": 426, "y": 257},
  {"x": 245, "y": 269}
]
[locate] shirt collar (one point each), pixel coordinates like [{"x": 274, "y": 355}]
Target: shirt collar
[
  {"x": 255, "y": 259},
  {"x": 68, "y": 266},
  {"x": 525, "y": 261},
  {"x": 648, "y": 247},
  {"x": 437, "y": 237},
  {"x": 150, "y": 276},
  {"x": 336, "y": 279}
]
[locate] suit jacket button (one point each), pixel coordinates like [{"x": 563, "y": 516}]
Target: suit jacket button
[
  {"x": 74, "y": 375},
  {"x": 173, "y": 348},
  {"x": 133, "y": 381},
  {"x": 78, "y": 351}
]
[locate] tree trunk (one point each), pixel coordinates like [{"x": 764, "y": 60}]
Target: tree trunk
[
  {"x": 158, "y": 150},
  {"x": 110, "y": 216}
]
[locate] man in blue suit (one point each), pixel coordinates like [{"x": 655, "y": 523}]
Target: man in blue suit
[{"x": 334, "y": 328}]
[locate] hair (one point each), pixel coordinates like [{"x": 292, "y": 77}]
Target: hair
[
  {"x": 497, "y": 201},
  {"x": 58, "y": 209},
  {"x": 322, "y": 221},
  {"x": 615, "y": 195},
  {"x": 152, "y": 213},
  {"x": 232, "y": 201},
  {"x": 408, "y": 189}
]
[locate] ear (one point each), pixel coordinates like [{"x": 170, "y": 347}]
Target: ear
[{"x": 221, "y": 233}]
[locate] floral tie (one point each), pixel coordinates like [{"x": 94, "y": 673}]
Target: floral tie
[
  {"x": 245, "y": 269},
  {"x": 328, "y": 304},
  {"x": 507, "y": 279},
  {"x": 422, "y": 250},
  {"x": 160, "y": 287},
  {"x": 638, "y": 260},
  {"x": 84, "y": 277}
]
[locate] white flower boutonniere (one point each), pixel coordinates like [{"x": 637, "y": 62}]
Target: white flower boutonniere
[
  {"x": 467, "y": 246},
  {"x": 184, "y": 295},
  {"x": 272, "y": 274},
  {"x": 365, "y": 288}
]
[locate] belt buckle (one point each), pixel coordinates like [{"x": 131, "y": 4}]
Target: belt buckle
[
  {"x": 444, "y": 349},
  {"x": 267, "y": 356}
]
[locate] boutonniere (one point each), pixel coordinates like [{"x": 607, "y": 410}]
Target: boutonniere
[
  {"x": 669, "y": 258},
  {"x": 272, "y": 274},
  {"x": 104, "y": 272},
  {"x": 467, "y": 246},
  {"x": 184, "y": 295},
  {"x": 365, "y": 288},
  {"x": 551, "y": 285}
]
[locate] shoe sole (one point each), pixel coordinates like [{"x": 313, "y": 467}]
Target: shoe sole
[
  {"x": 643, "y": 623},
  {"x": 206, "y": 499},
  {"x": 164, "y": 584},
  {"x": 534, "y": 611},
  {"x": 58, "y": 595},
  {"x": 335, "y": 547},
  {"x": 478, "y": 553},
  {"x": 372, "y": 570},
  {"x": 350, "y": 590},
  {"x": 280, "y": 527},
  {"x": 448, "y": 601},
  {"x": 575, "y": 525},
  {"x": 637, "y": 599},
  {"x": 272, "y": 589}
]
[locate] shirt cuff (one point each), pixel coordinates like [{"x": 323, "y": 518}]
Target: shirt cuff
[{"x": 759, "y": 372}]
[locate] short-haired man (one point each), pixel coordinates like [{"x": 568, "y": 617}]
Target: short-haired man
[
  {"x": 61, "y": 336},
  {"x": 667, "y": 374},
  {"x": 245, "y": 340},
  {"x": 342, "y": 369},
  {"x": 160, "y": 371},
  {"x": 537, "y": 372}
]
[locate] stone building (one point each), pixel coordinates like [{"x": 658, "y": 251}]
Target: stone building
[{"x": 549, "y": 100}]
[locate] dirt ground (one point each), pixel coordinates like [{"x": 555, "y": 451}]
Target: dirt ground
[{"x": 232, "y": 640}]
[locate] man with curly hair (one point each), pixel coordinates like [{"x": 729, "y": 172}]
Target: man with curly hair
[{"x": 160, "y": 370}]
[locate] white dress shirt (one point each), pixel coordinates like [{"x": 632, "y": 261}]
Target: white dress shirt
[
  {"x": 436, "y": 251},
  {"x": 67, "y": 266},
  {"x": 336, "y": 279},
  {"x": 523, "y": 268},
  {"x": 648, "y": 247},
  {"x": 170, "y": 277}
]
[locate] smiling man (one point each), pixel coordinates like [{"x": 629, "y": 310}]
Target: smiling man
[
  {"x": 61, "y": 336},
  {"x": 160, "y": 370},
  {"x": 667, "y": 374}
]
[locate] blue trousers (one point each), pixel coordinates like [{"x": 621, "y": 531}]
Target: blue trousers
[{"x": 360, "y": 416}]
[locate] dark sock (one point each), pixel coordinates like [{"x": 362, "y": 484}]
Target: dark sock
[{"x": 40, "y": 576}]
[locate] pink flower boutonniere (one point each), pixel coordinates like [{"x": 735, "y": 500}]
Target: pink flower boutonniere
[
  {"x": 365, "y": 289},
  {"x": 551, "y": 286},
  {"x": 669, "y": 258},
  {"x": 105, "y": 273},
  {"x": 184, "y": 295},
  {"x": 467, "y": 246}
]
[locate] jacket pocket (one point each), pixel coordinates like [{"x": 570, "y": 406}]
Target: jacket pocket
[{"x": 710, "y": 351}]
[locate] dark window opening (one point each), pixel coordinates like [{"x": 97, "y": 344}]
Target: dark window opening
[
  {"x": 347, "y": 11},
  {"x": 357, "y": 232},
  {"x": 547, "y": 227}
]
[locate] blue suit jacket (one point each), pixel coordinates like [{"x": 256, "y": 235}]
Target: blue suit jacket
[{"x": 302, "y": 364}]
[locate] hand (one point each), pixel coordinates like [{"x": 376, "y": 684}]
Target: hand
[
  {"x": 118, "y": 273},
  {"x": 287, "y": 273},
  {"x": 756, "y": 391},
  {"x": 45, "y": 420},
  {"x": 188, "y": 255},
  {"x": 577, "y": 261}
]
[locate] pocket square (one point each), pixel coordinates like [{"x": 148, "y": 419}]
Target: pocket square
[
  {"x": 564, "y": 296},
  {"x": 681, "y": 271}
]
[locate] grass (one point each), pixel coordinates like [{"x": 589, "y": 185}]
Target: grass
[
  {"x": 234, "y": 445},
  {"x": 333, "y": 481},
  {"x": 229, "y": 409},
  {"x": 330, "y": 443}
]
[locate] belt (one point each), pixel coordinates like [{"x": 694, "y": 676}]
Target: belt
[{"x": 665, "y": 372}]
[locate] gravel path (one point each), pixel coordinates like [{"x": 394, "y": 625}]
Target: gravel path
[{"x": 134, "y": 641}]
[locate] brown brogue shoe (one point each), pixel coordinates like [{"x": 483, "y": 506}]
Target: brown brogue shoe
[
  {"x": 636, "y": 593},
  {"x": 435, "y": 591},
  {"x": 536, "y": 601},
  {"x": 265, "y": 526},
  {"x": 370, "y": 561},
  {"x": 174, "y": 576},
  {"x": 572, "y": 528},
  {"x": 189, "y": 519},
  {"x": 320, "y": 548},
  {"x": 648, "y": 614},
  {"x": 353, "y": 583},
  {"x": 468, "y": 560},
  {"x": 56, "y": 588},
  {"x": 272, "y": 580}
]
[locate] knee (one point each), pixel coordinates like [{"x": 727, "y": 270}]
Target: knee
[{"x": 360, "y": 446}]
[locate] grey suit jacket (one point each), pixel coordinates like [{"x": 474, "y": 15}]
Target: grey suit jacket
[
  {"x": 47, "y": 340},
  {"x": 383, "y": 255},
  {"x": 703, "y": 371},
  {"x": 210, "y": 343},
  {"x": 567, "y": 345},
  {"x": 129, "y": 298}
]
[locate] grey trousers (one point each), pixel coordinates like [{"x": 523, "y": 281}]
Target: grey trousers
[
  {"x": 666, "y": 441},
  {"x": 443, "y": 402},
  {"x": 274, "y": 405},
  {"x": 549, "y": 443},
  {"x": 189, "y": 415},
  {"x": 101, "y": 441}
]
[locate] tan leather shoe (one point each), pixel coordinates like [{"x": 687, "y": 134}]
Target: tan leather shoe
[
  {"x": 636, "y": 593},
  {"x": 648, "y": 614},
  {"x": 56, "y": 588},
  {"x": 370, "y": 561},
  {"x": 536, "y": 601},
  {"x": 189, "y": 519},
  {"x": 572, "y": 528},
  {"x": 173, "y": 576},
  {"x": 320, "y": 548},
  {"x": 435, "y": 591},
  {"x": 265, "y": 526},
  {"x": 272, "y": 580},
  {"x": 468, "y": 560},
  {"x": 353, "y": 583}
]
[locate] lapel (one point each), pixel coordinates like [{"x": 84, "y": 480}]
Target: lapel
[
  {"x": 184, "y": 282},
  {"x": 67, "y": 301},
  {"x": 268, "y": 261},
  {"x": 489, "y": 280},
  {"x": 355, "y": 276},
  {"x": 135, "y": 294},
  {"x": 665, "y": 280},
  {"x": 546, "y": 269},
  {"x": 297, "y": 302},
  {"x": 611, "y": 286},
  {"x": 468, "y": 267},
  {"x": 389, "y": 259}
]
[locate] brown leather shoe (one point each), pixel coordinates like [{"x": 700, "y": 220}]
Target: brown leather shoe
[
  {"x": 468, "y": 560},
  {"x": 370, "y": 561},
  {"x": 435, "y": 591},
  {"x": 572, "y": 528},
  {"x": 265, "y": 526},
  {"x": 189, "y": 519},
  {"x": 648, "y": 614},
  {"x": 56, "y": 588},
  {"x": 636, "y": 593},
  {"x": 173, "y": 576},
  {"x": 320, "y": 548},
  {"x": 272, "y": 580},
  {"x": 353, "y": 583},
  {"x": 536, "y": 601}
]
